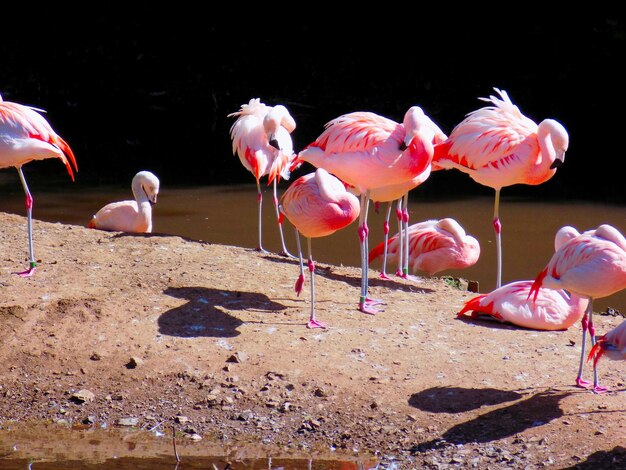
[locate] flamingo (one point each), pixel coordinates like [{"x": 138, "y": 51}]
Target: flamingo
[
  {"x": 261, "y": 137},
  {"x": 434, "y": 246},
  {"x": 133, "y": 215},
  {"x": 25, "y": 135},
  {"x": 317, "y": 204},
  {"x": 593, "y": 265},
  {"x": 555, "y": 309},
  {"x": 498, "y": 146},
  {"x": 369, "y": 151},
  {"x": 611, "y": 345}
]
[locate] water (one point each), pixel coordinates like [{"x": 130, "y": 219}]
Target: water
[{"x": 228, "y": 215}]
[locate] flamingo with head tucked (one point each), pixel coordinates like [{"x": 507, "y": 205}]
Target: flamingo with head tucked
[
  {"x": 498, "y": 146},
  {"x": 261, "y": 137},
  {"x": 133, "y": 216},
  {"x": 317, "y": 204},
  {"x": 611, "y": 345},
  {"x": 25, "y": 135},
  {"x": 591, "y": 264},
  {"x": 433, "y": 246},
  {"x": 368, "y": 151}
]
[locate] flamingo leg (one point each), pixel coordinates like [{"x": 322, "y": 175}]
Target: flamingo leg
[
  {"x": 300, "y": 280},
  {"x": 585, "y": 326},
  {"x": 284, "y": 251},
  {"x": 405, "y": 228},
  {"x": 383, "y": 274},
  {"x": 260, "y": 202},
  {"x": 366, "y": 305},
  {"x": 29, "y": 211},
  {"x": 400, "y": 234},
  {"x": 592, "y": 332},
  {"x": 313, "y": 323},
  {"x": 497, "y": 227}
]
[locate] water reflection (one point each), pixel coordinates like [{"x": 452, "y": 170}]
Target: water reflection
[{"x": 228, "y": 215}]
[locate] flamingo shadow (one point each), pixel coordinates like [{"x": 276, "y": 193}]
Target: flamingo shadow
[
  {"x": 614, "y": 458},
  {"x": 458, "y": 400},
  {"x": 204, "y": 315},
  {"x": 537, "y": 410}
]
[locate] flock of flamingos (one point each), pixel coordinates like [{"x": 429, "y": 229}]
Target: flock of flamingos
[{"x": 362, "y": 157}]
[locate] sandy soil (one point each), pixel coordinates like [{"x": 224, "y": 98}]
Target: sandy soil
[{"x": 147, "y": 333}]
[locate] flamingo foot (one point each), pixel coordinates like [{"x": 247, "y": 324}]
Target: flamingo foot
[
  {"x": 374, "y": 302},
  {"x": 28, "y": 273},
  {"x": 384, "y": 276},
  {"x": 399, "y": 273},
  {"x": 582, "y": 383},
  {"x": 316, "y": 324},
  {"x": 286, "y": 254},
  {"x": 599, "y": 389},
  {"x": 367, "y": 308},
  {"x": 261, "y": 250}
]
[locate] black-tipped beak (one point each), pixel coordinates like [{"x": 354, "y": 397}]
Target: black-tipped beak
[
  {"x": 402, "y": 147},
  {"x": 555, "y": 164},
  {"x": 274, "y": 143}
]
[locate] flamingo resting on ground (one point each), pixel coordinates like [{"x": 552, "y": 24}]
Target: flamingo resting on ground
[
  {"x": 433, "y": 246},
  {"x": 25, "y": 135},
  {"x": 498, "y": 146},
  {"x": 591, "y": 264},
  {"x": 611, "y": 345},
  {"x": 261, "y": 138},
  {"x": 133, "y": 216},
  {"x": 368, "y": 151},
  {"x": 554, "y": 309},
  {"x": 317, "y": 204}
]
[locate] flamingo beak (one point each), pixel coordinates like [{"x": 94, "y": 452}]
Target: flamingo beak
[
  {"x": 274, "y": 143},
  {"x": 556, "y": 163}
]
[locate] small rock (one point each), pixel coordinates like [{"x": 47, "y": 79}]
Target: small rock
[
  {"x": 130, "y": 421},
  {"x": 134, "y": 362},
  {"x": 238, "y": 357},
  {"x": 82, "y": 396}
]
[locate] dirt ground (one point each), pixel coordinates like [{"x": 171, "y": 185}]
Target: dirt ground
[{"x": 153, "y": 334}]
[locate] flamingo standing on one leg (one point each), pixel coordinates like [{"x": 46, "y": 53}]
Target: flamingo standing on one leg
[
  {"x": 369, "y": 151},
  {"x": 593, "y": 265},
  {"x": 261, "y": 138},
  {"x": 25, "y": 135},
  {"x": 317, "y": 204},
  {"x": 554, "y": 309},
  {"x": 498, "y": 146},
  {"x": 434, "y": 246},
  {"x": 135, "y": 215}
]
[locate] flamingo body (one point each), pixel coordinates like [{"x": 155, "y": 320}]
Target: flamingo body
[
  {"x": 554, "y": 309},
  {"x": 434, "y": 246},
  {"x": 591, "y": 264},
  {"x": 134, "y": 216},
  {"x": 25, "y": 135},
  {"x": 317, "y": 204},
  {"x": 611, "y": 345},
  {"x": 497, "y": 146},
  {"x": 261, "y": 138},
  {"x": 368, "y": 152}
]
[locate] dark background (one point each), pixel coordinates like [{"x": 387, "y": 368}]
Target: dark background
[{"x": 150, "y": 88}]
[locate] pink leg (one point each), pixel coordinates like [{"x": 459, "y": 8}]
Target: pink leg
[
  {"x": 313, "y": 323},
  {"x": 260, "y": 203},
  {"x": 284, "y": 251},
  {"x": 400, "y": 235},
  {"x": 366, "y": 305},
  {"x": 585, "y": 326},
  {"x": 592, "y": 332},
  {"x": 29, "y": 211},
  {"x": 300, "y": 280},
  {"x": 383, "y": 274}
]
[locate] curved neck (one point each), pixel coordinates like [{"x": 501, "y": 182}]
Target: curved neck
[{"x": 140, "y": 195}]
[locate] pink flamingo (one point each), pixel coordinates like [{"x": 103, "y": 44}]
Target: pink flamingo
[
  {"x": 317, "y": 204},
  {"x": 25, "y": 135},
  {"x": 133, "y": 216},
  {"x": 593, "y": 265},
  {"x": 498, "y": 146},
  {"x": 611, "y": 345},
  {"x": 434, "y": 246},
  {"x": 261, "y": 138},
  {"x": 554, "y": 309},
  {"x": 368, "y": 151}
]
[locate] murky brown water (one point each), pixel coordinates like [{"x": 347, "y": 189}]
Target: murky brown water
[{"x": 228, "y": 215}]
